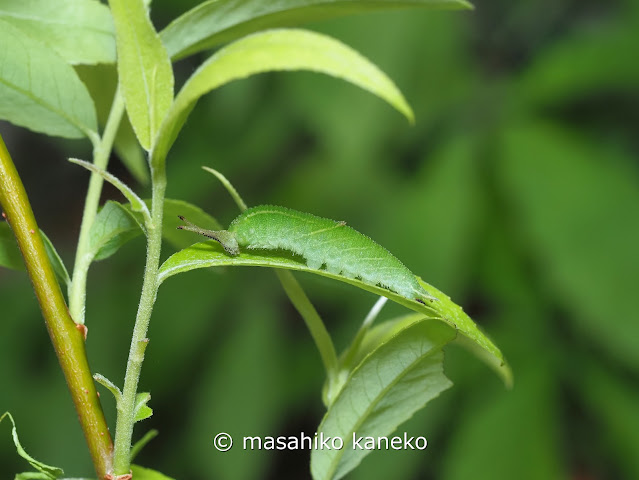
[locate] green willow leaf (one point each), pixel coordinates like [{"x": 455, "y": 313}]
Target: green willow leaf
[
  {"x": 365, "y": 342},
  {"x": 144, "y": 68},
  {"x": 39, "y": 90},
  {"x": 46, "y": 471},
  {"x": 137, "y": 205},
  {"x": 276, "y": 50},
  {"x": 386, "y": 389},
  {"x": 211, "y": 254},
  {"x": 113, "y": 227},
  {"x": 239, "y": 201},
  {"x": 80, "y": 31},
  {"x": 379, "y": 335},
  {"x": 218, "y": 21},
  {"x": 140, "y": 444},
  {"x": 109, "y": 385}
]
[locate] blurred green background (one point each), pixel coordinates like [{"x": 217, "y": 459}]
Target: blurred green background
[{"x": 517, "y": 193}]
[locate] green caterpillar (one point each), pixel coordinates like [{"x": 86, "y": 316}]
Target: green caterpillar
[{"x": 321, "y": 241}]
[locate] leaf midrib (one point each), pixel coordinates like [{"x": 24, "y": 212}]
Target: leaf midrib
[{"x": 83, "y": 130}]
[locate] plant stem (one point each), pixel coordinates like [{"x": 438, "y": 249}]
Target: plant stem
[
  {"x": 83, "y": 259},
  {"x": 139, "y": 341},
  {"x": 67, "y": 340}
]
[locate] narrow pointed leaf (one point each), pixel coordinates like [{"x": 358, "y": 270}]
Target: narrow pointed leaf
[
  {"x": 113, "y": 227},
  {"x": 46, "y": 471},
  {"x": 39, "y": 90},
  {"x": 137, "y": 205},
  {"x": 144, "y": 68},
  {"x": 239, "y": 201},
  {"x": 80, "y": 31},
  {"x": 277, "y": 50},
  {"x": 140, "y": 444},
  {"x": 109, "y": 385},
  {"x": 219, "y": 21},
  {"x": 385, "y": 390},
  {"x": 211, "y": 254}
]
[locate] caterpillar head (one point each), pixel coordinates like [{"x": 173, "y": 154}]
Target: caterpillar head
[{"x": 227, "y": 239}]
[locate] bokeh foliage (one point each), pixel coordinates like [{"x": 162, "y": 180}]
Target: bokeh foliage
[{"x": 517, "y": 192}]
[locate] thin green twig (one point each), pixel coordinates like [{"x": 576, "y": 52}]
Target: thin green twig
[
  {"x": 139, "y": 341},
  {"x": 83, "y": 257}
]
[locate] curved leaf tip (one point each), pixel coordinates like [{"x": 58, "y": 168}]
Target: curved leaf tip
[
  {"x": 211, "y": 254},
  {"x": 277, "y": 50}
]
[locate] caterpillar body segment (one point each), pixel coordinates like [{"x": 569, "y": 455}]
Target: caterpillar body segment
[{"x": 341, "y": 249}]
